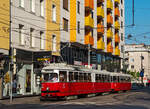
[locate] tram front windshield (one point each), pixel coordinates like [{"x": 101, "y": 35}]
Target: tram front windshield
[{"x": 50, "y": 77}]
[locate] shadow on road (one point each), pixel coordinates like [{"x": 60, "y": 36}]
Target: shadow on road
[{"x": 69, "y": 106}]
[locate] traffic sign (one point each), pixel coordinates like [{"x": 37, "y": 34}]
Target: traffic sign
[{"x": 142, "y": 73}]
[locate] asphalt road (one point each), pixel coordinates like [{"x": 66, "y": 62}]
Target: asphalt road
[{"x": 136, "y": 99}]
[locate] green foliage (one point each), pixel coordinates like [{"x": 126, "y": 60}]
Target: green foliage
[
  {"x": 134, "y": 74},
  {"x": 138, "y": 74}
]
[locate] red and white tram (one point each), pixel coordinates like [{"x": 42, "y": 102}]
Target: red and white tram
[{"x": 60, "y": 81}]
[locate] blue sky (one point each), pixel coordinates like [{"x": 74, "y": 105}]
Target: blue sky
[{"x": 141, "y": 31}]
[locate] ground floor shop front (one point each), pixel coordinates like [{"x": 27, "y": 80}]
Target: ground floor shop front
[{"x": 24, "y": 74}]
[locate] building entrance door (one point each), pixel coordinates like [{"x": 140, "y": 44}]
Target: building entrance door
[{"x": 28, "y": 80}]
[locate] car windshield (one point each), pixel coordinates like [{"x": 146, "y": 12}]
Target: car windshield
[{"x": 50, "y": 77}]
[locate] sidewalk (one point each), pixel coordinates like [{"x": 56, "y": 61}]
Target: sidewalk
[{"x": 21, "y": 100}]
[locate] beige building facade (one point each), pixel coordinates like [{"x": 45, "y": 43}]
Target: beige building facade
[{"x": 137, "y": 58}]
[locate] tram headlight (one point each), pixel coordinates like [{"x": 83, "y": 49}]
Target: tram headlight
[{"x": 47, "y": 88}]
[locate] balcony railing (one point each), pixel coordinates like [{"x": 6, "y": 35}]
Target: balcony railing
[
  {"x": 117, "y": 12},
  {"x": 100, "y": 12},
  {"x": 117, "y": 25},
  {"x": 117, "y": 38},
  {"x": 109, "y": 4},
  {"x": 100, "y": 1},
  {"x": 100, "y": 28},
  {"x": 109, "y": 49},
  {"x": 100, "y": 45},
  {"x": 89, "y": 22},
  {"x": 89, "y": 39},
  {"x": 89, "y": 4},
  {"x": 109, "y": 33},
  {"x": 109, "y": 19},
  {"x": 117, "y": 52},
  {"x": 117, "y": 1}
]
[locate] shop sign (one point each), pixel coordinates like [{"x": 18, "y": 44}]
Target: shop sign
[{"x": 77, "y": 63}]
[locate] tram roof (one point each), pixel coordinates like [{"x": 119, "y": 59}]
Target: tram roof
[
  {"x": 120, "y": 74},
  {"x": 58, "y": 67}
]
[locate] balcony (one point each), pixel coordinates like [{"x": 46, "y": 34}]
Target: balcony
[
  {"x": 109, "y": 19},
  {"x": 109, "y": 49},
  {"x": 100, "y": 45},
  {"x": 117, "y": 12},
  {"x": 100, "y": 1},
  {"x": 109, "y": 5},
  {"x": 109, "y": 34},
  {"x": 117, "y": 52},
  {"x": 117, "y": 38},
  {"x": 89, "y": 4},
  {"x": 100, "y": 28},
  {"x": 117, "y": 25},
  {"x": 100, "y": 12},
  {"x": 89, "y": 39},
  {"x": 89, "y": 22},
  {"x": 117, "y": 1}
]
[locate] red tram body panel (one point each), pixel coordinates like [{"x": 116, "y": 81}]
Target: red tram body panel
[{"x": 68, "y": 89}]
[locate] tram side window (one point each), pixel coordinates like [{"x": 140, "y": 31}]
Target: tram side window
[
  {"x": 76, "y": 76},
  {"x": 121, "y": 79},
  {"x": 85, "y": 77},
  {"x": 108, "y": 78},
  {"x": 81, "y": 77},
  {"x": 71, "y": 77},
  {"x": 103, "y": 78},
  {"x": 129, "y": 79},
  {"x": 118, "y": 79},
  {"x": 111, "y": 79},
  {"x": 97, "y": 77},
  {"x": 46, "y": 77},
  {"x": 114, "y": 79},
  {"x": 89, "y": 77},
  {"x": 63, "y": 76},
  {"x": 100, "y": 79}
]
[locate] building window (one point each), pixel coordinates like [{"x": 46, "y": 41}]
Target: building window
[
  {"x": 132, "y": 60},
  {"x": 92, "y": 14},
  {"x": 78, "y": 4},
  {"x": 132, "y": 66},
  {"x": 21, "y": 34},
  {"x": 31, "y": 37},
  {"x": 121, "y": 24},
  {"x": 21, "y": 3},
  {"x": 54, "y": 13},
  {"x": 65, "y": 24},
  {"x": 42, "y": 8},
  {"x": 65, "y": 4},
  {"x": 78, "y": 27},
  {"x": 121, "y": 1},
  {"x": 122, "y": 12},
  {"x": 41, "y": 40},
  {"x": 32, "y": 5},
  {"x": 54, "y": 43},
  {"x": 92, "y": 33},
  {"x": 122, "y": 49},
  {"x": 122, "y": 36}
]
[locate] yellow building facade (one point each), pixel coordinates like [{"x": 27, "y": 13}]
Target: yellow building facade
[
  {"x": 53, "y": 27},
  {"x": 4, "y": 24}
]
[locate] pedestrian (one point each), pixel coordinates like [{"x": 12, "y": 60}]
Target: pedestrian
[
  {"x": 148, "y": 83},
  {"x": 14, "y": 85}
]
